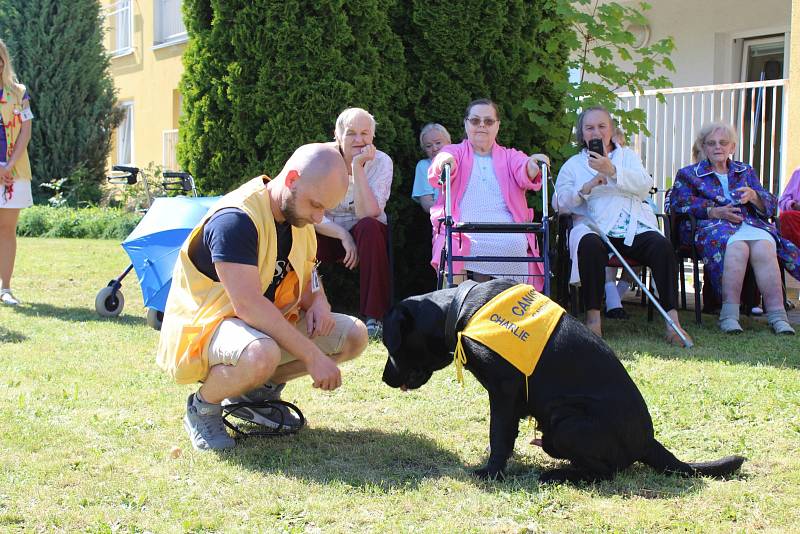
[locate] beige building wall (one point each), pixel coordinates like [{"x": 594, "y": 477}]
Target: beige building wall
[
  {"x": 146, "y": 73},
  {"x": 709, "y": 34},
  {"x": 710, "y": 37}
]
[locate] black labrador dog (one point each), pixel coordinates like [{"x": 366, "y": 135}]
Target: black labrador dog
[{"x": 586, "y": 405}]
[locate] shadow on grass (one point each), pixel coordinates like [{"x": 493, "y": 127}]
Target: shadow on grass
[
  {"x": 359, "y": 458},
  {"x": 74, "y": 314},
  {"x": 386, "y": 461},
  {"x": 11, "y": 336},
  {"x": 637, "y": 481}
]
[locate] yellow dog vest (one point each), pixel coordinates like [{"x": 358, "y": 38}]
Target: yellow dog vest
[{"x": 516, "y": 324}]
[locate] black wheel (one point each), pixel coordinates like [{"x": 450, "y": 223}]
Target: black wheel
[
  {"x": 109, "y": 303},
  {"x": 154, "y": 318}
]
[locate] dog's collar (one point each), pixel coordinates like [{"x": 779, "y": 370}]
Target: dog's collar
[{"x": 454, "y": 310}]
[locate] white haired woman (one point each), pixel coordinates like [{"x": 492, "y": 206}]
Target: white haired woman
[
  {"x": 732, "y": 208},
  {"x": 432, "y": 138},
  {"x": 612, "y": 189},
  {"x": 355, "y": 233},
  {"x": 15, "y": 168}
]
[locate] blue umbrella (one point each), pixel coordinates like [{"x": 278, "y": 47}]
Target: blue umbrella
[{"x": 154, "y": 244}]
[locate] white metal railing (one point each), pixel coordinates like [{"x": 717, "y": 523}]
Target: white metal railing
[
  {"x": 119, "y": 23},
  {"x": 170, "y": 150},
  {"x": 169, "y": 21},
  {"x": 756, "y": 109}
]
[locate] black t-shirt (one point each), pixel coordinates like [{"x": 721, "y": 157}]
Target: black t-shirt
[{"x": 231, "y": 236}]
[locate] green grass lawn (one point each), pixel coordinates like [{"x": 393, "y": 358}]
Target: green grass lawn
[{"x": 91, "y": 437}]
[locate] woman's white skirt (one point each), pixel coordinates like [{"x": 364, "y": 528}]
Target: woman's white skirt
[{"x": 20, "y": 196}]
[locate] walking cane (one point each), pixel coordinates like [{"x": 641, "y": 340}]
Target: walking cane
[{"x": 593, "y": 226}]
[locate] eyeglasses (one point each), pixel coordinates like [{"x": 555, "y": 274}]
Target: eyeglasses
[
  {"x": 723, "y": 143},
  {"x": 487, "y": 121}
]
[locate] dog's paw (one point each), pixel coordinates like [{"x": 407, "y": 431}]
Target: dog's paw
[
  {"x": 486, "y": 474},
  {"x": 554, "y": 476}
]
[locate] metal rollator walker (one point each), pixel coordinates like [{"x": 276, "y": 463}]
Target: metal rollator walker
[{"x": 445, "y": 272}]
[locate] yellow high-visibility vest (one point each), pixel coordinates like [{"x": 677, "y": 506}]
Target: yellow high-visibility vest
[{"x": 197, "y": 304}]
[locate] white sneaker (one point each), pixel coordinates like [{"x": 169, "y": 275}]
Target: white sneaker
[
  {"x": 374, "y": 328},
  {"x": 7, "y": 298}
]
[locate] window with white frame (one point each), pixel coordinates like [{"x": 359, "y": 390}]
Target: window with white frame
[
  {"x": 119, "y": 21},
  {"x": 125, "y": 135},
  {"x": 168, "y": 22}
]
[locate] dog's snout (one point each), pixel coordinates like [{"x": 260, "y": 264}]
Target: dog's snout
[{"x": 391, "y": 374}]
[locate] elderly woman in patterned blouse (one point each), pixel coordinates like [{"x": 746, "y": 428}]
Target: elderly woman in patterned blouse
[
  {"x": 488, "y": 185},
  {"x": 355, "y": 232},
  {"x": 732, "y": 208}
]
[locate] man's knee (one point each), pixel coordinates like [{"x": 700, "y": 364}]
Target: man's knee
[
  {"x": 355, "y": 342},
  {"x": 262, "y": 357}
]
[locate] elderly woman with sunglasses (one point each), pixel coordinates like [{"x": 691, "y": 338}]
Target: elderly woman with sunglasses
[
  {"x": 488, "y": 184},
  {"x": 732, "y": 209},
  {"x": 607, "y": 190}
]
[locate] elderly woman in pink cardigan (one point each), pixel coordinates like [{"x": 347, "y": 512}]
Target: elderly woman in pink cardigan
[{"x": 488, "y": 184}]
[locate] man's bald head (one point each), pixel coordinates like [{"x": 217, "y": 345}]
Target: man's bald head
[
  {"x": 314, "y": 179},
  {"x": 318, "y": 162}
]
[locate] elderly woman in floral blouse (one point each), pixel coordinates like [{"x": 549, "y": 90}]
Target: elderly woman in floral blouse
[{"x": 732, "y": 208}]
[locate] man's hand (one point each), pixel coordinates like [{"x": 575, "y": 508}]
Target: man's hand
[
  {"x": 319, "y": 320},
  {"x": 324, "y": 372},
  {"x": 350, "y": 259},
  {"x": 727, "y": 212}
]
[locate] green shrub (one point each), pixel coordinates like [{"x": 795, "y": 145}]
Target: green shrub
[{"x": 89, "y": 223}]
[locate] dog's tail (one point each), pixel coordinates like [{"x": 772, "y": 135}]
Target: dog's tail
[{"x": 658, "y": 457}]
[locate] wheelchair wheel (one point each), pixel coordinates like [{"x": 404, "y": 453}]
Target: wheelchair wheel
[
  {"x": 154, "y": 318},
  {"x": 108, "y": 302}
]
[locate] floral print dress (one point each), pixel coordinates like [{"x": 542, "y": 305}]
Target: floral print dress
[{"x": 696, "y": 189}]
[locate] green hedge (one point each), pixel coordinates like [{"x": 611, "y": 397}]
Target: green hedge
[
  {"x": 89, "y": 223},
  {"x": 265, "y": 76}
]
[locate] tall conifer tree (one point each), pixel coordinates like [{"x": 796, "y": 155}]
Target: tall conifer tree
[{"x": 59, "y": 55}]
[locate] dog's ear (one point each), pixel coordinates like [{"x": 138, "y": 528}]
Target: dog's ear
[{"x": 395, "y": 323}]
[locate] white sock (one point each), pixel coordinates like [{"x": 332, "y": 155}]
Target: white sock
[
  {"x": 612, "y": 297},
  {"x": 622, "y": 288}
]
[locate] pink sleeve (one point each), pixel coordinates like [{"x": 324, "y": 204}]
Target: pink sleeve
[
  {"x": 433, "y": 176},
  {"x": 517, "y": 166},
  {"x": 791, "y": 193}
]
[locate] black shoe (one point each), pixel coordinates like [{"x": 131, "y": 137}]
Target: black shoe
[{"x": 617, "y": 313}]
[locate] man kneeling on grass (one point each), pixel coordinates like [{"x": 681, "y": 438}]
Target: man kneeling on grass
[{"x": 246, "y": 311}]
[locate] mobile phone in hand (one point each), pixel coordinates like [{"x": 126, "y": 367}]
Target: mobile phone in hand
[{"x": 596, "y": 145}]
